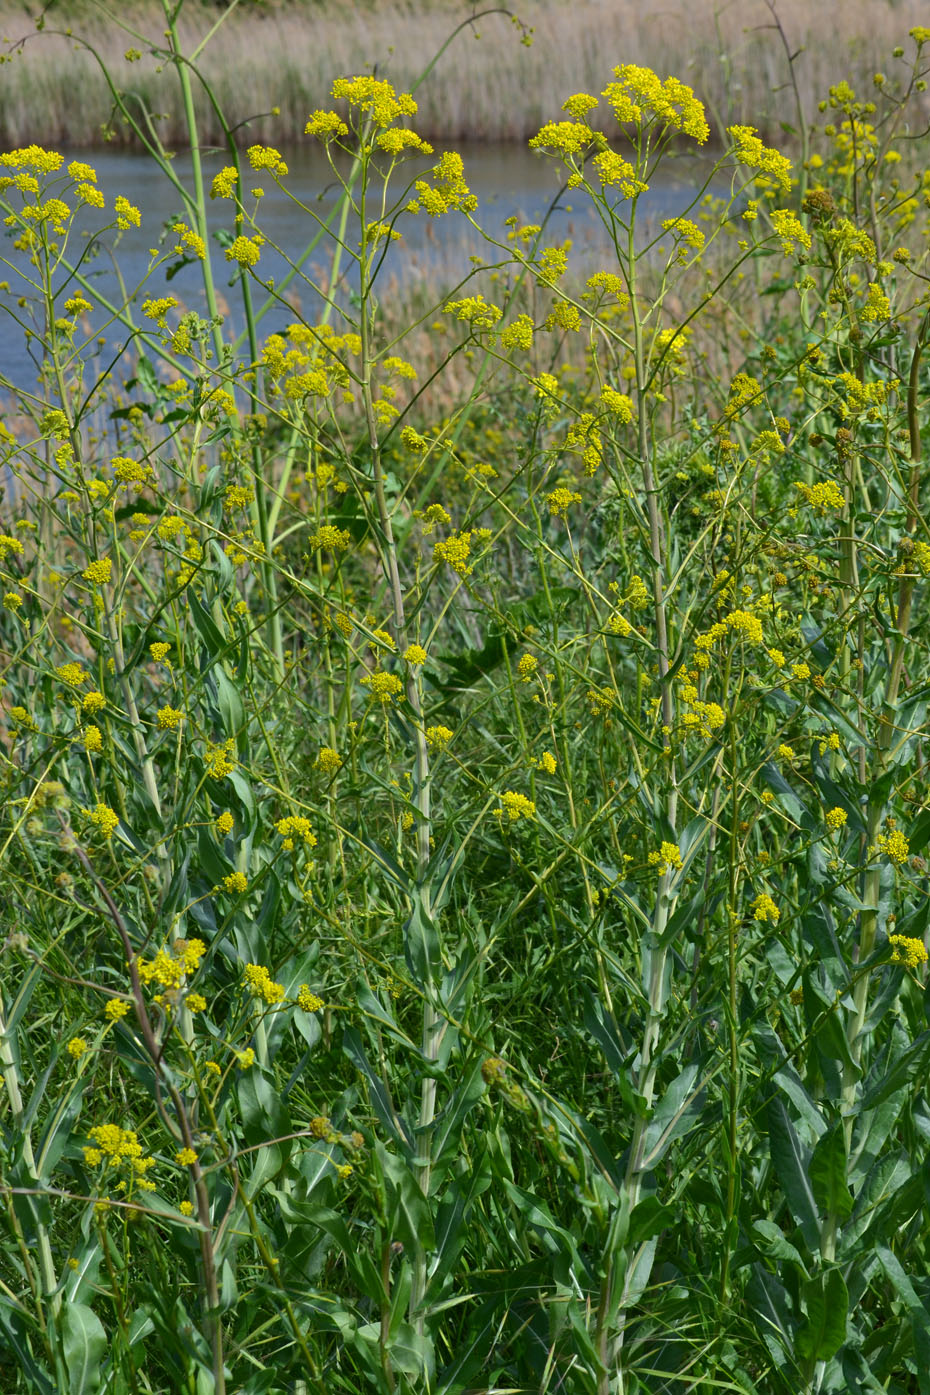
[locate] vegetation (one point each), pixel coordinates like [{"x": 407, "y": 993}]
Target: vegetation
[
  {"x": 465, "y": 784},
  {"x": 285, "y": 54}
]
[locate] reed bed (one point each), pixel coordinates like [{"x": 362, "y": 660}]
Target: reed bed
[{"x": 285, "y": 56}]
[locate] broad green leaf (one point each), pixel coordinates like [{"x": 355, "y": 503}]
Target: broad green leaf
[
  {"x": 84, "y": 1344},
  {"x": 791, "y": 1162},
  {"x": 826, "y": 1303},
  {"x": 828, "y": 1174}
]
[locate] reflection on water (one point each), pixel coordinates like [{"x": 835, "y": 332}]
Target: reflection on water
[{"x": 508, "y": 180}]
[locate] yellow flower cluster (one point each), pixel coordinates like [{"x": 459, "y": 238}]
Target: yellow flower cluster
[
  {"x": 686, "y": 234},
  {"x": 296, "y": 826},
  {"x": 72, "y": 674},
  {"x": 326, "y": 126},
  {"x": 514, "y": 806},
  {"x": 742, "y": 621},
  {"x": 560, "y": 501},
  {"x": 455, "y": 550},
  {"x": 245, "y": 250},
  {"x": 265, "y": 157},
  {"x": 374, "y": 96},
  {"x": 220, "y": 760},
  {"x": 824, "y": 495},
  {"x": 641, "y": 97},
  {"x": 618, "y": 403},
  {"x": 385, "y": 687},
  {"x": 894, "y": 845},
  {"x": 449, "y": 190},
  {"x": 613, "y": 169},
  {"x": 526, "y": 668},
  {"x": 438, "y": 736},
  {"x": 518, "y": 335},
  {"x": 307, "y": 1001},
  {"x": 236, "y": 882},
  {"x": 668, "y": 856},
  {"x": 131, "y": 471},
  {"x": 261, "y": 985},
  {"x": 104, "y": 819},
  {"x": 330, "y": 538},
  {"x": 168, "y": 718},
  {"x": 748, "y": 150},
  {"x": 705, "y": 718},
  {"x": 120, "y": 1148},
  {"x": 474, "y": 310},
  {"x": 170, "y": 967},
  {"x": 907, "y": 951},
  {"x": 415, "y": 654},
  {"x": 224, "y": 824},
  {"x": 225, "y": 183},
  {"x": 791, "y": 231},
  {"x": 328, "y": 761},
  {"x": 764, "y": 908},
  {"x": 835, "y": 819}
]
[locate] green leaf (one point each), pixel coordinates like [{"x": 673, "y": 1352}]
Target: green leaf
[
  {"x": 409, "y": 1217},
  {"x": 84, "y": 1345},
  {"x": 828, "y": 1174},
  {"x": 826, "y": 1303},
  {"x": 674, "y": 1114},
  {"x": 790, "y": 1160}
]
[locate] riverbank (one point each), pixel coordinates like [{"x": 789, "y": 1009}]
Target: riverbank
[{"x": 487, "y": 85}]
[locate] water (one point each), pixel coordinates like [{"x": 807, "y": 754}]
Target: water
[{"x": 508, "y": 180}]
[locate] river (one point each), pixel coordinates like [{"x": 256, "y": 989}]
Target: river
[{"x": 508, "y": 180}]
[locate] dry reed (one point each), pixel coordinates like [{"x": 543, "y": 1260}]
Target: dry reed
[{"x": 489, "y": 88}]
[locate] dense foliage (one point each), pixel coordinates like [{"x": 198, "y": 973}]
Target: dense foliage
[{"x": 464, "y": 776}]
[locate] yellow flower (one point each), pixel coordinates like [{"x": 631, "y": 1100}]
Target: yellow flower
[
  {"x": 77, "y": 1047},
  {"x": 894, "y": 845},
  {"x": 526, "y": 668},
  {"x": 514, "y": 806},
  {"x": 236, "y": 882},
  {"x": 93, "y": 739},
  {"x": 115, "y": 1010},
  {"x": 618, "y": 403},
  {"x": 224, "y": 824},
  {"x": 668, "y": 856},
  {"x": 168, "y": 718},
  {"x": 104, "y": 818},
  {"x": 907, "y": 951},
  {"x": 328, "y": 761},
  {"x": 245, "y": 1058},
  {"x": 72, "y": 674},
  {"x": 186, "y": 1208},
  {"x": 835, "y": 819},
  {"x": 307, "y": 1001},
  {"x": 185, "y": 1157},
  {"x": 260, "y": 984},
  {"x": 455, "y": 551},
  {"x": 749, "y": 150},
  {"x": 296, "y": 826},
  {"x": 764, "y": 908},
  {"x": 245, "y": 250},
  {"x": 560, "y": 501},
  {"x": 438, "y": 736},
  {"x": 385, "y": 687},
  {"x": 415, "y": 654},
  {"x": 127, "y": 215}
]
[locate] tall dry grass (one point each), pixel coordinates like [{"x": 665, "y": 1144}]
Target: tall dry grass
[{"x": 490, "y": 87}]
